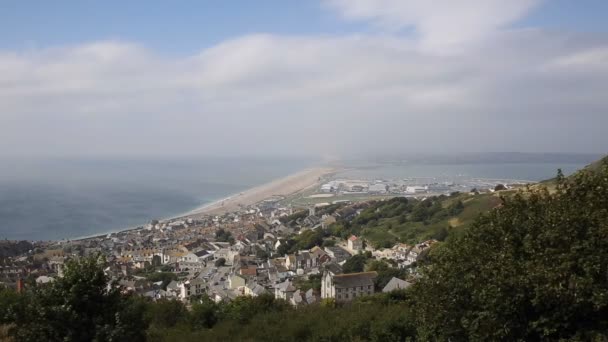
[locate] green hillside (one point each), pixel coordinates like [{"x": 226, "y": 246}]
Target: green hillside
[
  {"x": 384, "y": 223},
  {"x": 410, "y": 221}
]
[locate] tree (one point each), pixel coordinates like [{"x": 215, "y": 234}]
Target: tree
[
  {"x": 166, "y": 313},
  {"x": 309, "y": 239},
  {"x": 223, "y": 235},
  {"x": 165, "y": 277},
  {"x": 220, "y": 262},
  {"x": 205, "y": 314},
  {"x": 500, "y": 187},
  {"x": 156, "y": 261},
  {"x": 261, "y": 254},
  {"x": 80, "y": 306},
  {"x": 286, "y": 246},
  {"x": 9, "y": 299},
  {"x": 329, "y": 243},
  {"x": 354, "y": 264},
  {"x": 533, "y": 269},
  {"x": 456, "y": 208}
]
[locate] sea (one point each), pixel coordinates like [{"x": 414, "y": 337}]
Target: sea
[{"x": 54, "y": 199}]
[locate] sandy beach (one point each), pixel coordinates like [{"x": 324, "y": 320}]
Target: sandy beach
[{"x": 281, "y": 187}]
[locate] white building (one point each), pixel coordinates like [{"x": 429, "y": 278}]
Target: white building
[
  {"x": 346, "y": 287},
  {"x": 416, "y": 189},
  {"x": 355, "y": 244}
]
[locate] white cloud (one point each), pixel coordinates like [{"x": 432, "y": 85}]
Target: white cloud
[
  {"x": 440, "y": 24},
  {"x": 266, "y": 94}
]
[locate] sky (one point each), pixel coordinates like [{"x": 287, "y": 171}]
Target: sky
[{"x": 313, "y": 78}]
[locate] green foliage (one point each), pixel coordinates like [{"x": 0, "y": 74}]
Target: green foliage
[
  {"x": 166, "y": 313},
  {"x": 243, "y": 309},
  {"x": 165, "y": 277},
  {"x": 78, "y": 307},
  {"x": 9, "y": 300},
  {"x": 313, "y": 282},
  {"x": 500, "y": 187},
  {"x": 384, "y": 223},
  {"x": 291, "y": 219},
  {"x": 286, "y": 246},
  {"x": 329, "y": 243},
  {"x": 354, "y": 264},
  {"x": 373, "y": 321},
  {"x": 261, "y": 254},
  {"x": 385, "y": 273},
  {"x": 308, "y": 239},
  {"x": 205, "y": 314},
  {"x": 223, "y": 235},
  {"x": 220, "y": 262},
  {"x": 534, "y": 269}
]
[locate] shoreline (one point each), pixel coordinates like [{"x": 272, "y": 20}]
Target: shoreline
[{"x": 285, "y": 186}]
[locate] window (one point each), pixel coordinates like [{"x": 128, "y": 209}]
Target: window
[
  {"x": 339, "y": 296},
  {"x": 354, "y": 295},
  {"x": 369, "y": 287},
  {"x": 346, "y": 296}
]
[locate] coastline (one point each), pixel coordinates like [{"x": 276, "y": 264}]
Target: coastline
[{"x": 285, "y": 186}]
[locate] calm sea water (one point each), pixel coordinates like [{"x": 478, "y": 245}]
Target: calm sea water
[
  {"x": 41, "y": 200},
  {"x": 56, "y": 199}
]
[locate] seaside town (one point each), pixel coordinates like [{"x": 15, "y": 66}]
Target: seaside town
[{"x": 268, "y": 247}]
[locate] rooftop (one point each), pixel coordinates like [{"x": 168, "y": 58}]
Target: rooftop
[{"x": 355, "y": 279}]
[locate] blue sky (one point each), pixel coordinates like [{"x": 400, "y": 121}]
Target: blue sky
[
  {"x": 327, "y": 77},
  {"x": 180, "y": 27},
  {"x": 170, "y": 26}
]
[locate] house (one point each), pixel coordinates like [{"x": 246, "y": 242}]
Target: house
[
  {"x": 191, "y": 287},
  {"x": 303, "y": 260},
  {"x": 416, "y": 189},
  {"x": 417, "y": 250},
  {"x": 378, "y": 188},
  {"x": 320, "y": 256},
  {"x": 235, "y": 281},
  {"x": 290, "y": 261},
  {"x": 346, "y": 287},
  {"x": 311, "y": 221},
  {"x": 254, "y": 289},
  {"x": 284, "y": 290},
  {"x": 396, "y": 284},
  {"x": 337, "y": 254},
  {"x": 327, "y": 220},
  {"x": 355, "y": 244},
  {"x": 249, "y": 271},
  {"x": 301, "y": 298},
  {"x": 227, "y": 254}
]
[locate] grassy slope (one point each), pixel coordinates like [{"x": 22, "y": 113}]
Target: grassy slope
[{"x": 389, "y": 229}]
